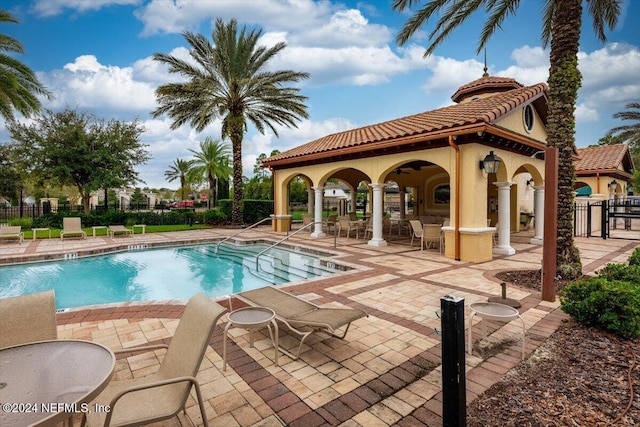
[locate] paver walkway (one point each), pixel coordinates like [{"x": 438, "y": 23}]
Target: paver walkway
[{"x": 388, "y": 369}]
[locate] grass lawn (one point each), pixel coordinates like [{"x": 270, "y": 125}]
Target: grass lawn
[{"x": 55, "y": 232}]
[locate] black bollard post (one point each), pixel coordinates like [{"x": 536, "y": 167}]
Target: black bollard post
[{"x": 454, "y": 398}]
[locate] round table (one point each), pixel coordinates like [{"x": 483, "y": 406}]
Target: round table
[
  {"x": 493, "y": 311},
  {"x": 251, "y": 319},
  {"x": 45, "y": 382}
]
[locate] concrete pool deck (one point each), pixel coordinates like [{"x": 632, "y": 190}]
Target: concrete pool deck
[{"x": 388, "y": 369}]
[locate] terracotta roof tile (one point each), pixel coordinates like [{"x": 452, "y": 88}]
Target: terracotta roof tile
[
  {"x": 482, "y": 110},
  {"x": 483, "y": 84},
  {"x": 605, "y": 157}
]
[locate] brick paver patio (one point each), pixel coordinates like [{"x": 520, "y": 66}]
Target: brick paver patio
[{"x": 388, "y": 369}]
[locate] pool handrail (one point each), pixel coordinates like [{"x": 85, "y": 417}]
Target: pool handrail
[
  {"x": 283, "y": 239},
  {"x": 241, "y": 231}
]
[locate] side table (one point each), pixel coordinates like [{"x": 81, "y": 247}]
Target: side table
[
  {"x": 493, "y": 311},
  {"x": 143, "y": 226},
  {"x": 97, "y": 227},
  {"x": 251, "y": 319},
  {"x": 35, "y": 231}
]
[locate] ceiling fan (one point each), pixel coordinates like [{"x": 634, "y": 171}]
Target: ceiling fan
[{"x": 398, "y": 171}]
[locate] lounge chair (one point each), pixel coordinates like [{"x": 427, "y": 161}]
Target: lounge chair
[
  {"x": 162, "y": 395},
  {"x": 121, "y": 230},
  {"x": 72, "y": 227},
  {"x": 28, "y": 318},
  {"x": 12, "y": 232},
  {"x": 299, "y": 316}
]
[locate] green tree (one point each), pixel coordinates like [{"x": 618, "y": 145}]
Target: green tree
[
  {"x": 179, "y": 170},
  {"x": 561, "y": 26},
  {"x": 11, "y": 179},
  {"x": 18, "y": 83},
  {"x": 210, "y": 164},
  {"x": 138, "y": 198},
  {"x": 81, "y": 150},
  {"x": 229, "y": 80}
]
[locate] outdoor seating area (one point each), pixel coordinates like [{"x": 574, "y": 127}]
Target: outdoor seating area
[{"x": 353, "y": 343}]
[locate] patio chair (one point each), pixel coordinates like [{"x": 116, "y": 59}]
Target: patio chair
[
  {"x": 330, "y": 223},
  {"x": 344, "y": 223},
  {"x": 72, "y": 227},
  {"x": 28, "y": 318},
  {"x": 162, "y": 395},
  {"x": 416, "y": 230},
  {"x": 432, "y": 235},
  {"x": 12, "y": 232},
  {"x": 368, "y": 231},
  {"x": 120, "y": 230},
  {"x": 299, "y": 316}
]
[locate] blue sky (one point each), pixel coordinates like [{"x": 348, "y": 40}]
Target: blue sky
[{"x": 95, "y": 55}]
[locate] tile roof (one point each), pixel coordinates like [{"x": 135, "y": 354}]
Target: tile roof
[
  {"x": 601, "y": 158},
  {"x": 485, "y": 84},
  {"x": 480, "y": 111}
]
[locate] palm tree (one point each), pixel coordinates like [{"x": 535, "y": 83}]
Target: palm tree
[
  {"x": 228, "y": 80},
  {"x": 630, "y": 133},
  {"x": 179, "y": 170},
  {"x": 210, "y": 164},
  {"x": 561, "y": 25},
  {"x": 18, "y": 83}
]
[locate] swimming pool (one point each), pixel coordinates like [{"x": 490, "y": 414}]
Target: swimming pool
[{"x": 160, "y": 274}]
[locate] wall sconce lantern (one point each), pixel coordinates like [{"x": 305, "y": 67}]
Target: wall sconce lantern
[
  {"x": 613, "y": 185},
  {"x": 530, "y": 183},
  {"x": 491, "y": 163}
]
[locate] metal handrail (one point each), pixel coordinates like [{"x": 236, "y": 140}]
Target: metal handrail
[
  {"x": 283, "y": 239},
  {"x": 240, "y": 232}
]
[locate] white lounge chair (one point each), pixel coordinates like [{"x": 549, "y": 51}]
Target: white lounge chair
[
  {"x": 72, "y": 227},
  {"x": 12, "y": 232}
]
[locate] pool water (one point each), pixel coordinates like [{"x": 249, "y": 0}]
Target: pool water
[{"x": 159, "y": 274}]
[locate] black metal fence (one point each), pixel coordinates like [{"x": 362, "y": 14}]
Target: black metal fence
[{"x": 8, "y": 213}]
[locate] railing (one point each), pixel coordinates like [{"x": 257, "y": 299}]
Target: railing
[
  {"x": 283, "y": 239},
  {"x": 241, "y": 231}
]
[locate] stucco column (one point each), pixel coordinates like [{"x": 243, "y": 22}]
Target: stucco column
[
  {"x": 538, "y": 211},
  {"x": 310, "y": 201},
  {"x": 377, "y": 238},
  {"x": 402, "y": 191},
  {"x": 504, "y": 219},
  {"x": 317, "y": 217}
]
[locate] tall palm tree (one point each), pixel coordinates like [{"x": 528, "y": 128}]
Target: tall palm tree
[
  {"x": 211, "y": 163},
  {"x": 228, "y": 80},
  {"x": 561, "y": 25},
  {"x": 179, "y": 170},
  {"x": 18, "y": 83}
]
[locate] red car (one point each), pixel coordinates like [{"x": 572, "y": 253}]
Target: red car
[{"x": 181, "y": 204}]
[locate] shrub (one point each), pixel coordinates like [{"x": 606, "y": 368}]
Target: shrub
[
  {"x": 22, "y": 222},
  {"x": 614, "y": 271},
  {"x": 213, "y": 217},
  {"x": 634, "y": 259},
  {"x": 613, "y": 305}
]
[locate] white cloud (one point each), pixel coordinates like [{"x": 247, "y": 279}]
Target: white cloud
[
  {"x": 610, "y": 75},
  {"x": 585, "y": 114},
  {"x": 88, "y": 84}
]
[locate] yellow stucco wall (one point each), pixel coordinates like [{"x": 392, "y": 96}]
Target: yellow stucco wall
[
  {"x": 515, "y": 121},
  {"x": 475, "y": 189}
]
